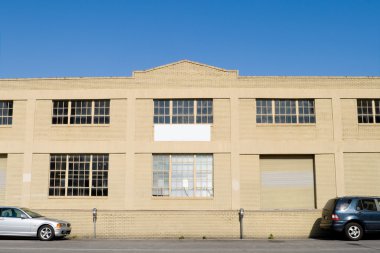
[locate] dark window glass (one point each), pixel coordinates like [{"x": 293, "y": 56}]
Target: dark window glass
[
  {"x": 285, "y": 111},
  {"x": 368, "y": 205},
  {"x": 101, "y": 111},
  {"x": 204, "y": 111},
  {"x": 81, "y": 111},
  {"x": 183, "y": 111},
  {"x": 365, "y": 111},
  {"x": 161, "y": 112},
  {"x": 264, "y": 111},
  {"x": 60, "y": 112},
  {"x": 57, "y": 175},
  {"x": 343, "y": 204},
  {"x": 306, "y": 111}
]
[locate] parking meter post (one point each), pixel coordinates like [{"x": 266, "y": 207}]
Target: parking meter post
[
  {"x": 94, "y": 218},
  {"x": 241, "y": 216}
]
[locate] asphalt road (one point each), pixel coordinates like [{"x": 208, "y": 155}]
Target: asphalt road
[{"x": 188, "y": 246}]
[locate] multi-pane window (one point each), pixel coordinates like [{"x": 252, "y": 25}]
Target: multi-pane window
[
  {"x": 58, "y": 170},
  {"x": 99, "y": 186},
  {"x": 60, "y": 112},
  {"x": 6, "y": 112},
  {"x": 161, "y": 112},
  {"x": 183, "y": 111},
  {"x": 204, "y": 172},
  {"x": 183, "y": 175},
  {"x": 81, "y": 112},
  {"x": 306, "y": 112},
  {"x": 78, "y": 175},
  {"x": 161, "y": 169},
  {"x": 102, "y": 112},
  {"x": 368, "y": 110},
  {"x": 204, "y": 111},
  {"x": 264, "y": 112},
  {"x": 285, "y": 111}
]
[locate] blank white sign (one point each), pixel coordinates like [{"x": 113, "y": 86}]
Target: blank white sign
[{"x": 182, "y": 132}]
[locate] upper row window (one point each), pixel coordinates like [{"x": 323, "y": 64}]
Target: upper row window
[
  {"x": 183, "y": 111},
  {"x": 6, "y": 112},
  {"x": 81, "y": 112},
  {"x": 368, "y": 110},
  {"x": 285, "y": 111}
]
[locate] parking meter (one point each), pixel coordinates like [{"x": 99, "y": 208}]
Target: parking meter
[
  {"x": 94, "y": 218},
  {"x": 241, "y": 213},
  {"x": 241, "y": 216},
  {"x": 94, "y": 215}
]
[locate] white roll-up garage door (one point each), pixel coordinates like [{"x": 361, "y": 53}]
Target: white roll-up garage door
[{"x": 287, "y": 182}]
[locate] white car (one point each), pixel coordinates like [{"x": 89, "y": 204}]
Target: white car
[{"x": 16, "y": 221}]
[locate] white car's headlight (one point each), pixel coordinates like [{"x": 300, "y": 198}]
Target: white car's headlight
[{"x": 60, "y": 225}]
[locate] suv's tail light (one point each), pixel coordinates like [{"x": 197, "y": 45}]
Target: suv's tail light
[{"x": 334, "y": 217}]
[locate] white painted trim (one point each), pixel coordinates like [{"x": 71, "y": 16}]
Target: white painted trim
[{"x": 182, "y": 132}]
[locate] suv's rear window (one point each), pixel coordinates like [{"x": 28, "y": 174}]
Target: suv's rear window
[
  {"x": 330, "y": 204},
  {"x": 343, "y": 204}
]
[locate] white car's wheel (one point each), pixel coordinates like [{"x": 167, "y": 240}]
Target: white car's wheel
[{"x": 46, "y": 233}]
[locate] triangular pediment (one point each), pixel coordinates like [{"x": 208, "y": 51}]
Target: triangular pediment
[{"x": 185, "y": 69}]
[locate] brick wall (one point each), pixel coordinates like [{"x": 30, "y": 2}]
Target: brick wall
[
  {"x": 15, "y": 164},
  {"x": 325, "y": 182},
  {"x": 221, "y": 128},
  {"x": 191, "y": 224},
  {"x": 144, "y": 120}
]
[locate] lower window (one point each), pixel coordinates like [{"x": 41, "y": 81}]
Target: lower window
[
  {"x": 78, "y": 175},
  {"x": 183, "y": 175}
]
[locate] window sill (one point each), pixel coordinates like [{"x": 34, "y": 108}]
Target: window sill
[
  {"x": 286, "y": 125},
  {"x": 77, "y": 197},
  {"x": 181, "y": 124},
  {"x": 369, "y": 124},
  {"x": 80, "y": 125},
  {"x": 181, "y": 198},
  {"x": 5, "y": 126}
]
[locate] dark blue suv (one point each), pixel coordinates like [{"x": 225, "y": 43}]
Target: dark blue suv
[{"x": 352, "y": 215}]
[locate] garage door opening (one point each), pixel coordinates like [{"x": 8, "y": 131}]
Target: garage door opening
[{"x": 287, "y": 182}]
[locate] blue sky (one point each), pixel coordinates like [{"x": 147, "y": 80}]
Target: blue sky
[{"x": 112, "y": 38}]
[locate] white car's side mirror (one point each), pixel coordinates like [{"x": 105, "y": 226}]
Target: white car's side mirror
[{"x": 23, "y": 216}]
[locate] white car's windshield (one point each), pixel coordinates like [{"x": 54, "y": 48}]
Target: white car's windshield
[{"x": 31, "y": 213}]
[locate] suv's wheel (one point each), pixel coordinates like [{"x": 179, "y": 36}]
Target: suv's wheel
[
  {"x": 353, "y": 231},
  {"x": 46, "y": 233}
]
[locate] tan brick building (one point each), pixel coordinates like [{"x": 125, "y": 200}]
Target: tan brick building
[{"x": 177, "y": 150}]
